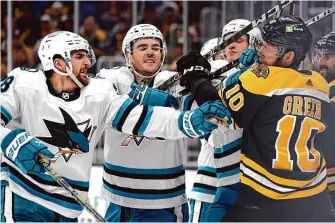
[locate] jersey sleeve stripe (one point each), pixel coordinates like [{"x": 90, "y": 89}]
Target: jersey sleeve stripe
[
  {"x": 5, "y": 115},
  {"x": 269, "y": 191},
  {"x": 203, "y": 188},
  {"x": 143, "y": 121},
  {"x": 122, "y": 114},
  {"x": 59, "y": 199},
  {"x": 276, "y": 179},
  {"x": 140, "y": 120}
]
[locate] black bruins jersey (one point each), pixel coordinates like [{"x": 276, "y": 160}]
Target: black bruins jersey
[{"x": 284, "y": 114}]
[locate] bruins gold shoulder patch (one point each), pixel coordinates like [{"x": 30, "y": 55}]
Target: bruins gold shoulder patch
[{"x": 260, "y": 70}]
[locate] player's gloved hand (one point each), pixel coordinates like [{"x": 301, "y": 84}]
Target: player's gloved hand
[
  {"x": 248, "y": 58},
  {"x": 193, "y": 66},
  {"x": 144, "y": 95},
  {"x": 233, "y": 79},
  {"x": 196, "y": 123},
  {"x": 21, "y": 148}
]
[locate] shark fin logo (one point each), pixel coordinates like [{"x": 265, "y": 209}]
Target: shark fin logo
[{"x": 67, "y": 136}]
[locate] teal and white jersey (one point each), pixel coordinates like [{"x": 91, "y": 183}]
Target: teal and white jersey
[
  {"x": 67, "y": 123},
  {"x": 206, "y": 181},
  {"x": 142, "y": 172},
  {"x": 204, "y": 187}
]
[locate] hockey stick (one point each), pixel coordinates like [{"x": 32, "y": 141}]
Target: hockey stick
[
  {"x": 232, "y": 39},
  {"x": 292, "y": 8},
  {"x": 320, "y": 16},
  {"x": 81, "y": 200},
  {"x": 309, "y": 22}
]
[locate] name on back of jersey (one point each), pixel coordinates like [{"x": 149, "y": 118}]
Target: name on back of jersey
[{"x": 300, "y": 105}]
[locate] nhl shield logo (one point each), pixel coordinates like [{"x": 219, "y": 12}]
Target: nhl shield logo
[{"x": 260, "y": 71}]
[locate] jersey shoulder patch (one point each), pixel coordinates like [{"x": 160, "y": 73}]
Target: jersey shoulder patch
[{"x": 264, "y": 80}]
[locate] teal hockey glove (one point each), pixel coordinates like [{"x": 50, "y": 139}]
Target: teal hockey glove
[
  {"x": 144, "y": 95},
  {"x": 197, "y": 123},
  {"x": 21, "y": 148}
]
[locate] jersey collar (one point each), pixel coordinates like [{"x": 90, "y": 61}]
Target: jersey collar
[{"x": 66, "y": 96}]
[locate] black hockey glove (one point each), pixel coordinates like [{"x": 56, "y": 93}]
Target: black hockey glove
[{"x": 195, "y": 69}]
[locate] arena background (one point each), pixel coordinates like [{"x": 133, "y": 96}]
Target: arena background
[{"x": 186, "y": 25}]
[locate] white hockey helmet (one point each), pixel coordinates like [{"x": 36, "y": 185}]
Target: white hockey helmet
[
  {"x": 139, "y": 32},
  {"x": 236, "y": 25},
  {"x": 61, "y": 43},
  {"x": 209, "y": 45}
]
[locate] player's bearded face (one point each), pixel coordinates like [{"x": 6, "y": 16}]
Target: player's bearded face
[
  {"x": 326, "y": 65},
  {"x": 146, "y": 56},
  {"x": 268, "y": 53},
  {"x": 235, "y": 50},
  {"x": 80, "y": 64}
]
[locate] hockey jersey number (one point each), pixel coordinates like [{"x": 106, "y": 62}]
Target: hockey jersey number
[
  {"x": 5, "y": 84},
  {"x": 308, "y": 130}
]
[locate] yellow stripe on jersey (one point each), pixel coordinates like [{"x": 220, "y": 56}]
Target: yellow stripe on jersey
[
  {"x": 276, "y": 179},
  {"x": 279, "y": 196},
  {"x": 262, "y": 80}
]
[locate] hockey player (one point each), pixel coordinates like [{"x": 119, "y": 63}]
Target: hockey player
[
  {"x": 324, "y": 59},
  {"x": 284, "y": 113},
  {"x": 204, "y": 186},
  {"x": 63, "y": 114},
  {"x": 226, "y": 172},
  {"x": 144, "y": 178}
]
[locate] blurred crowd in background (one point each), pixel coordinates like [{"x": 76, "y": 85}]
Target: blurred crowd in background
[{"x": 105, "y": 23}]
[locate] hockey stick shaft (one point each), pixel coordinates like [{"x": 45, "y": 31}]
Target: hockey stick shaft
[
  {"x": 320, "y": 16},
  {"x": 80, "y": 199},
  {"x": 232, "y": 39},
  {"x": 246, "y": 29},
  {"x": 309, "y": 22},
  {"x": 224, "y": 69}
]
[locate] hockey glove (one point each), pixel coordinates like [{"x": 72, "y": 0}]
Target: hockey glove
[
  {"x": 248, "y": 58},
  {"x": 196, "y": 123},
  {"x": 21, "y": 148},
  {"x": 194, "y": 68},
  {"x": 233, "y": 79},
  {"x": 144, "y": 95}
]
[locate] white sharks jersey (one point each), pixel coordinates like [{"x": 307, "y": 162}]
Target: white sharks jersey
[
  {"x": 67, "y": 121},
  {"x": 206, "y": 180},
  {"x": 142, "y": 172}
]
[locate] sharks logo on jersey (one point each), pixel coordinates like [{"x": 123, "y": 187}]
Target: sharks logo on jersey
[{"x": 67, "y": 136}]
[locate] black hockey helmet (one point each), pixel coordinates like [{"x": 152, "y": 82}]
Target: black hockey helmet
[
  {"x": 325, "y": 44},
  {"x": 289, "y": 33}
]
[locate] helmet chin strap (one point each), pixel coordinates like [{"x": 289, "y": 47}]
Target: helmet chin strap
[
  {"x": 69, "y": 73},
  {"x": 130, "y": 66}
]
